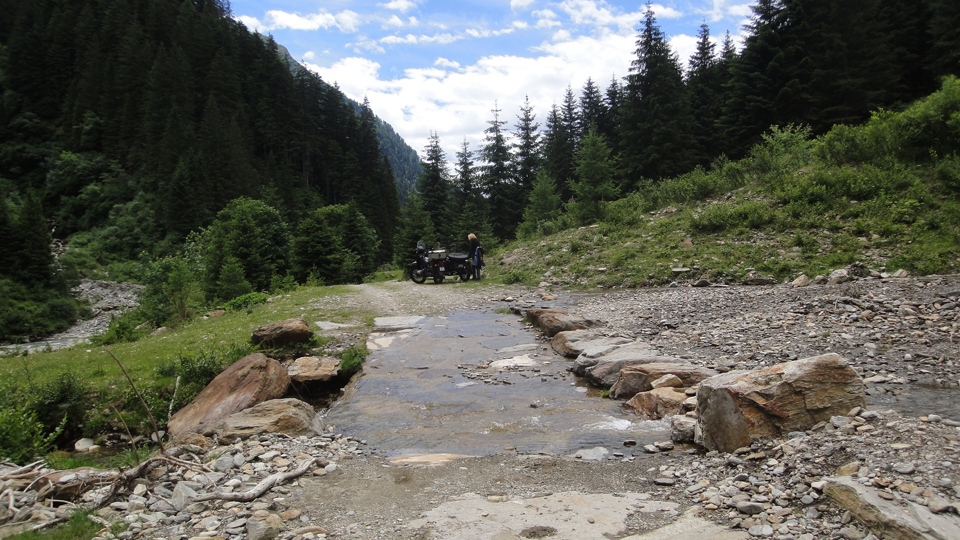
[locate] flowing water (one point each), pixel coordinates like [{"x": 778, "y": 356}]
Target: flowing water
[{"x": 478, "y": 383}]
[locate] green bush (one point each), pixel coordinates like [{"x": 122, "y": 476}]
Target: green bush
[
  {"x": 122, "y": 329},
  {"x": 351, "y": 360},
  {"x": 23, "y": 436},
  {"x": 246, "y": 301}
]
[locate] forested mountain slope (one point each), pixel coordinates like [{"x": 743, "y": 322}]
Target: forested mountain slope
[
  {"x": 404, "y": 160},
  {"x": 125, "y": 125}
]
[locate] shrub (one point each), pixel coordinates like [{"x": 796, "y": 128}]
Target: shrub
[
  {"x": 123, "y": 328},
  {"x": 246, "y": 301},
  {"x": 351, "y": 360},
  {"x": 22, "y": 435}
]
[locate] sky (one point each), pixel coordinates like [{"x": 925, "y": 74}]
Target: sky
[{"x": 430, "y": 66}]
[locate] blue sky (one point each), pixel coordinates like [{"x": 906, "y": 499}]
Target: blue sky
[{"x": 431, "y": 66}]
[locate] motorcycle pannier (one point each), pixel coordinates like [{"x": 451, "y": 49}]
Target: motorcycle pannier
[{"x": 438, "y": 254}]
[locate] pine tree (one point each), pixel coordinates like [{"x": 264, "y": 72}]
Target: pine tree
[
  {"x": 526, "y": 149},
  {"x": 498, "y": 178},
  {"x": 944, "y": 54},
  {"x": 656, "y": 122},
  {"x": 232, "y": 283},
  {"x": 609, "y": 127},
  {"x": 559, "y": 149},
  {"x": 704, "y": 85},
  {"x": 593, "y": 110},
  {"x": 32, "y": 254},
  {"x": 543, "y": 204},
  {"x": 571, "y": 117},
  {"x": 595, "y": 179},
  {"x": 434, "y": 186}
]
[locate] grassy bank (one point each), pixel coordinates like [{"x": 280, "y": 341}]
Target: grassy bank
[{"x": 885, "y": 194}]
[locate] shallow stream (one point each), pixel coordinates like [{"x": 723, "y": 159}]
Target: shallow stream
[{"x": 478, "y": 383}]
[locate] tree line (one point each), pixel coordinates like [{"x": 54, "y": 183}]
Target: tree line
[
  {"x": 816, "y": 63},
  {"x": 127, "y": 125}
]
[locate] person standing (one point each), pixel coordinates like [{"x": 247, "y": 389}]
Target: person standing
[{"x": 476, "y": 255}]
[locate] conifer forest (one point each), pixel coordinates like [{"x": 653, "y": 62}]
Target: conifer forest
[{"x": 161, "y": 141}]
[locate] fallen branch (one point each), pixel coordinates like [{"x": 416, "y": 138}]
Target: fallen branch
[
  {"x": 144, "y": 468},
  {"x": 261, "y": 488},
  {"x": 25, "y": 470}
]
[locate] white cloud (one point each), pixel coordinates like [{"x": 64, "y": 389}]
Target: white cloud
[
  {"x": 544, "y": 14},
  {"x": 664, "y": 12},
  {"x": 456, "y": 101},
  {"x": 443, "y": 62},
  {"x": 521, "y": 4},
  {"x": 547, "y": 23},
  {"x": 588, "y": 12},
  {"x": 309, "y": 55},
  {"x": 345, "y": 21},
  {"x": 684, "y": 46},
  {"x": 366, "y": 44},
  {"x": 411, "y": 39},
  {"x": 520, "y": 25},
  {"x": 393, "y": 21},
  {"x": 400, "y": 5}
]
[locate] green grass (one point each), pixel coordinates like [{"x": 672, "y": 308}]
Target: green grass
[
  {"x": 78, "y": 527},
  {"x": 878, "y": 194}
]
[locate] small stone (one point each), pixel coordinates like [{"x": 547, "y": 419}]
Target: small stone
[
  {"x": 664, "y": 481},
  {"x": 904, "y": 468},
  {"x": 762, "y": 531},
  {"x": 749, "y": 507}
]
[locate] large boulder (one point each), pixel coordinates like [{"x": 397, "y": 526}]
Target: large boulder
[
  {"x": 551, "y": 321},
  {"x": 251, "y": 380},
  {"x": 634, "y": 379},
  {"x": 282, "y": 333},
  {"x": 290, "y": 416},
  {"x": 657, "y": 403},
  {"x": 734, "y": 407},
  {"x": 313, "y": 368},
  {"x": 573, "y": 343}
]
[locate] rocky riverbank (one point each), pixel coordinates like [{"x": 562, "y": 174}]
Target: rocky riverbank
[{"x": 875, "y": 471}]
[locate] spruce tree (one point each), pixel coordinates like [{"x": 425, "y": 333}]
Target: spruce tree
[
  {"x": 704, "y": 85},
  {"x": 571, "y": 117},
  {"x": 543, "y": 204},
  {"x": 433, "y": 185},
  {"x": 32, "y": 255},
  {"x": 595, "y": 179},
  {"x": 498, "y": 179},
  {"x": 559, "y": 149},
  {"x": 944, "y": 54},
  {"x": 526, "y": 149},
  {"x": 657, "y": 126},
  {"x": 593, "y": 110}
]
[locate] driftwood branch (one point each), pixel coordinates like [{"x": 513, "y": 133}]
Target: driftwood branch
[
  {"x": 22, "y": 472},
  {"x": 144, "y": 468},
  {"x": 261, "y": 488}
]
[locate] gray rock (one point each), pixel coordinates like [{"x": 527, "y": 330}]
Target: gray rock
[
  {"x": 749, "y": 507},
  {"x": 762, "y": 531},
  {"x": 223, "y": 463},
  {"x": 904, "y": 468},
  {"x": 263, "y": 526},
  {"x": 183, "y": 496}
]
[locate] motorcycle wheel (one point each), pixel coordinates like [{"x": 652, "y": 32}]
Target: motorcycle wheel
[
  {"x": 438, "y": 279},
  {"x": 464, "y": 275},
  {"x": 418, "y": 277}
]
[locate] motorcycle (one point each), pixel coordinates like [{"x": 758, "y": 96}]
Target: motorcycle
[{"x": 438, "y": 264}]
